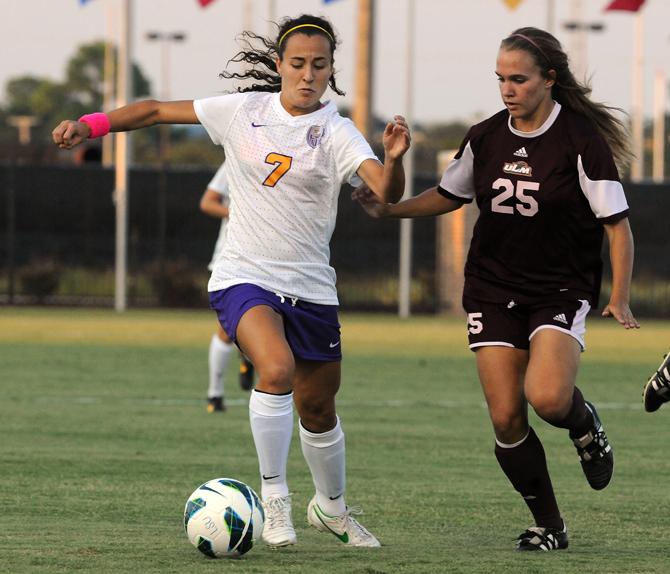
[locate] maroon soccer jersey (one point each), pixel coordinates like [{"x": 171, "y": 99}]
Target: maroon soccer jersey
[{"x": 543, "y": 198}]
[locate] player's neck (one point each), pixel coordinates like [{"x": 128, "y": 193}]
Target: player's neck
[{"x": 536, "y": 120}]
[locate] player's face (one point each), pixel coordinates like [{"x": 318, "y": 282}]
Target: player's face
[
  {"x": 524, "y": 90},
  {"x": 305, "y": 69}
]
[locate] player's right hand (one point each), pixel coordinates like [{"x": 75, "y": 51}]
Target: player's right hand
[
  {"x": 69, "y": 133},
  {"x": 370, "y": 202}
]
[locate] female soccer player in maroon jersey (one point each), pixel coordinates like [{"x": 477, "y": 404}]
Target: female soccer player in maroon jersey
[{"x": 543, "y": 174}]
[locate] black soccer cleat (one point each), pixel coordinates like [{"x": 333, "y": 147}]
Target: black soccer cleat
[
  {"x": 215, "y": 405},
  {"x": 595, "y": 453},
  {"x": 246, "y": 374},
  {"x": 657, "y": 390},
  {"x": 541, "y": 539}
]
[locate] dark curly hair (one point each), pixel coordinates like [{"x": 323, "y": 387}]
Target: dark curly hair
[
  {"x": 548, "y": 54},
  {"x": 260, "y": 53}
]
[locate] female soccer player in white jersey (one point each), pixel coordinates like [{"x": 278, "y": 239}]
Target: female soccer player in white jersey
[
  {"x": 544, "y": 178},
  {"x": 273, "y": 288}
]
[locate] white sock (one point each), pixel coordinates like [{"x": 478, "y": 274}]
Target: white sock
[
  {"x": 271, "y": 418},
  {"x": 324, "y": 453},
  {"x": 219, "y": 354}
]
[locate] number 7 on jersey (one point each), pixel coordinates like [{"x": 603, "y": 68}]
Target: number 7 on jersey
[{"x": 282, "y": 164}]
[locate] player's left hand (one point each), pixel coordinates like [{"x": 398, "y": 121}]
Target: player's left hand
[
  {"x": 622, "y": 313},
  {"x": 396, "y": 138}
]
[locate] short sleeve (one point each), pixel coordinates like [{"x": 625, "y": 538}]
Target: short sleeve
[
  {"x": 219, "y": 182},
  {"x": 351, "y": 150},
  {"x": 458, "y": 178},
  {"x": 599, "y": 181},
  {"x": 215, "y": 114}
]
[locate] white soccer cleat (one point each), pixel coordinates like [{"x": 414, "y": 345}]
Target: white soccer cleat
[
  {"x": 346, "y": 528},
  {"x": 278, "y": 530}
]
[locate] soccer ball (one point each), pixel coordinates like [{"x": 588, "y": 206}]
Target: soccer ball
[{"x": 223, "y": 518}]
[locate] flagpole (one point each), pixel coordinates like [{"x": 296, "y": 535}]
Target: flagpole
[
  {"x": 637, "y": 98},
  {"x": 108, "y": 81},
  {"x": 124, "y": 90},
  {"x": 360, "y": 114},
  {"x": 660, "y": 94},
  {"x": 551, "y": 16},
  {"x": 405, "y": 263}
]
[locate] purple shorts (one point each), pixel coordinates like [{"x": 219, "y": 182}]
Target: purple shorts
[{"x": 312, "y": 330}]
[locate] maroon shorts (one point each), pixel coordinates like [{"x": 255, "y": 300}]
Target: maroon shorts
[{"x": 513, "y": 325}]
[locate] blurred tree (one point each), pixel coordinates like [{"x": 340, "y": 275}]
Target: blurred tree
[
  {"x": 18, "y": 95},
  {"x": 51, "y": 101},
  {"x": 85, "y": 76}
]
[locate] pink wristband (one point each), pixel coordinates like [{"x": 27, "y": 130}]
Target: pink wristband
[{"x": 98, "y": 122}]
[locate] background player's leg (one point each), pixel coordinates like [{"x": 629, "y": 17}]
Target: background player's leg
[
  {"x": 220, "y": 348},
  {"x": 260, "y": 334}
]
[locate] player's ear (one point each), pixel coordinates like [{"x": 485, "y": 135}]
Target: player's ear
[{"x": 550, "y": 78}]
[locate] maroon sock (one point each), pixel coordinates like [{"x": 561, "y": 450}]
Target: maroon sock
[
  {"x": 526, "y": 468},
  {"x": 579, "y": 419}
]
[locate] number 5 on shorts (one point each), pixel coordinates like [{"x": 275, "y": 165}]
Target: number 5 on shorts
[
  {"x": 282, "y": 164},
  {"x": 475, "y": 326}
]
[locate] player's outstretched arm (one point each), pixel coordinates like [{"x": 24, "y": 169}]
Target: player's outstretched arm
[
  {"x": 70, "y": 133},
  {"x": 621, "y": 257},
  {"x": 430, "y": 202},
  {"x": 387, "y": 180}
]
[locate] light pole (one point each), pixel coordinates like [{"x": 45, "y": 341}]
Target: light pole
[
  {"x": 165, "y": 39},
  {"x": 580, "y": 29}
]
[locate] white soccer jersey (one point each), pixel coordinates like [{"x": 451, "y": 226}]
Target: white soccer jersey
[
  {"x": 219, "y": 184},
  {"x": 285, "y": 173}
]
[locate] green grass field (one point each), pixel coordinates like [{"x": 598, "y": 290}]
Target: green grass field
[{"x": 103, "y": 435}]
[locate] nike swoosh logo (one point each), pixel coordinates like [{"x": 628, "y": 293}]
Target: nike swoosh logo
[
  {"x": 255, "y": 125},
  {"x": 344, "y": 537},
  {"x": 333, "y": 345},
  {"x": 335, "y": 497},
  {"x": 269, "y": 477}
]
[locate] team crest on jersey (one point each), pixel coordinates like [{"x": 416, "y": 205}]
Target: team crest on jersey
[
  {"x": 314, "y": 135},
  {"x": 518, "y": 168}
]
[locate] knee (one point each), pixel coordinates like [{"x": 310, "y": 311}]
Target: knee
[
  {"x": 550, "y": 405},
  {"x": 509, "y": 426},
  {"x": 317, "y": 415},
  {"x": 276, "y": 378}
]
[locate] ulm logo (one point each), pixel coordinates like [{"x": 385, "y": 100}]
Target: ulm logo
[
  {"x": 314, "y": 135},
  {"x": 518, "y": 168}
]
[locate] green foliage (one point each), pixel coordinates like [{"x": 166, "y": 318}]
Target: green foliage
[
  {"x": 105, "y": 435},
  {"x": 81, "y": 91}
]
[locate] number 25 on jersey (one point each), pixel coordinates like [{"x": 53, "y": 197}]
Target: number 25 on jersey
[{"x": 525, "y": 204}]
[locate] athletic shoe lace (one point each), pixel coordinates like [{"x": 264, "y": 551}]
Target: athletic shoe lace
[
  {"x": 357, "y": 530},
  {"x": 277, "y": 511}
]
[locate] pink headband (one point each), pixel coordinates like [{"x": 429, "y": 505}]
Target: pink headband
[{"x": 534, "y": 44}]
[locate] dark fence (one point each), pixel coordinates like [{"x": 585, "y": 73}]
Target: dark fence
[{"x": 57, "y": 229}]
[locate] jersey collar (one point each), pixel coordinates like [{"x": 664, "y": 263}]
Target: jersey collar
[
  {"x": 543, "y": 128},
  {"x": 328, "y": 107}
]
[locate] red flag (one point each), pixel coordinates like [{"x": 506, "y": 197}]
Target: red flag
[
  {"x": 204, "y": 3},
  {"x": 627, "y": 5}
]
